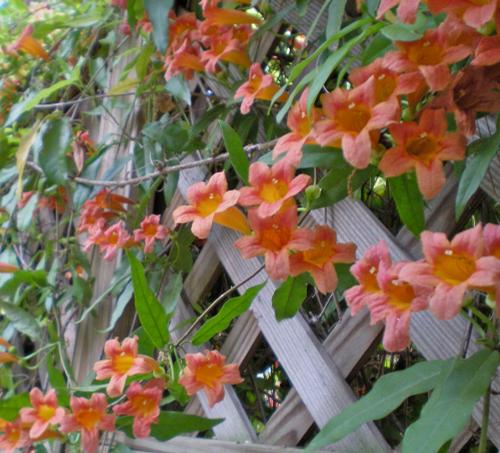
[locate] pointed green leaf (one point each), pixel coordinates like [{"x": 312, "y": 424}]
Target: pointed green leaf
[
  {"x": 158, "y": 15},
  {"x": 386, "y": 395},
  {"x": 10, "y": 407},
  {"x": 231, "y": 309},
  {"x": 335, "y": 16},
  {"x": 481, "y": 152},
  {"x": 409, "y": 201},
  {"x": 450, "y": 406},
  {"x": 50, "y": 149},
  {"x": 152, "y": 315},
  {"x": 237, "y": 156},
  {"x": 22, "y": 321},
  {"x": 171, "y": 424},
  {"x": 288, "y": 298}
]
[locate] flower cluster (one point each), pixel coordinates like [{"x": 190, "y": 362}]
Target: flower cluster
[
  {"x": 271, "y": 229},
  {"x": 56, "y": 202},
  {"x": 46, "y": 419},
  {"x": 439, "y": 282},
  {"x": 415, "y": 82},
  {"x": 200, "y": 46},
  {"x": 101, "y": 219}
]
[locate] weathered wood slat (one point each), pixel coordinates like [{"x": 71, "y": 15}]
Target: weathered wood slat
[
  {"x": 309, "y": 367},
  {"x": 434, "y": 339},
  {"x": 90, "y": 338},
  {"x": 196, "y": 444}
]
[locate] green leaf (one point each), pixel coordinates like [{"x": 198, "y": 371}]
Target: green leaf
[
  {"x": 449, "y": 408},
  {"x": 120, "y": 305},
  {"x": 481, "y": 152},
  {"x": 50, "y": 149},
  {"x": 231, "y": 309},
  {"x": 21, "y": 320},
  {"x": 33, "y": 278},
  {"x": 299, "y": 68},
  {"x": 335, "y": 15},
  {"x": 10, "y": 407},
  {"x": 341, "y": 179},
  {"x": 84, "y": 20},
  {"x": 22, "y": 155},
  {"x": 345, "y": 279},
  {"x": 172, "y": 292},
  {"x": 401, "y": 32},
  {"x": 386, "y": 395},
  {"x": 331, "y": 63},
  {"x": 158, "y": 15},
  {"x": 152, "y": 316},
  {"x": 33, "y": 101},
  {"x": 409, "y": 201},
  {"x": 288, "y": 298},
  {"x": 171, "y": 424},
  {"x": 57, "y": 381},
  {"x": 237, "y": 156},
  {"x": 179, "y": 88}
]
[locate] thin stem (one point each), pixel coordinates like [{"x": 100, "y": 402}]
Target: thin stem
[
  {"x": 166, "y": 170},
  {"x": 214, "y": 304},
  {"x": 483, "y": 439}
]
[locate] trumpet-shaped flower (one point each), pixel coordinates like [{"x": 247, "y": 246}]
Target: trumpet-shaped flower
[
  {"x": 365, "y": 271},
  {"x": 487, "y": 51},
  {"x": 431, "y": 55},
  {"x": 13, "y": 435},
  {"x": 89, "y": 417},
  {"x": 113, "y": 239},
  {"x": 259, "y": 86},
  {"x": 388, "y": 81},
  {"x": 185, "y": 60},
  {"x": 150, "y": 231},
  {"x": 473, "y": 90},
  {"x": 143, "y": 403},
  {"x": 407, "y": 9},
  {"x": 394, "y": 304},
  {"x": 423, "y": 146},
  {"x": 353, "y": 119},
  {"x": 274, "y": 237},
  {"x": 450, "y": 268},
  {"x": 272, "y": 187},
  {"x": 474, "y": 13},
  {"x": 320, "y": 258},
  {"x": 209, "y": 372},
  {"x": 211, "y": 202},
  {"x": 44, "y": 413},
  {"x": 28, "y": 44},
  {"x": 182, "y": 27},
  {"x": 122, "y": 360},
  {"x": 301, "y": 127},
  {"x": 225, "y": 47}
]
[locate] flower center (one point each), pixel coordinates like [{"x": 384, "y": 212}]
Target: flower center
[
  {"x": 274, "y": 190},
  {"x": 353, "y": 118},
  {"x": 422, "y": 148},
  {"x": 425, "y": 53},
  {"x": 46, "y": 412},
  {"x": 122, "y": 363},
  {"x": 401, "y": 295},
  {"x": 454, "y": 268},
  {"x": 275, "y": 237},
  {"x": 88, "y": 418},
  {"x": 209, "y": 204},
  {"x": 369, "y": 280},
  {"x": 385, "y": 85},
  {"x": 150, "y": 230},
  {"x": 143, "y": 405},
  {"x": 319, "y": 255},
  {"x": 209, "y": 374}
]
